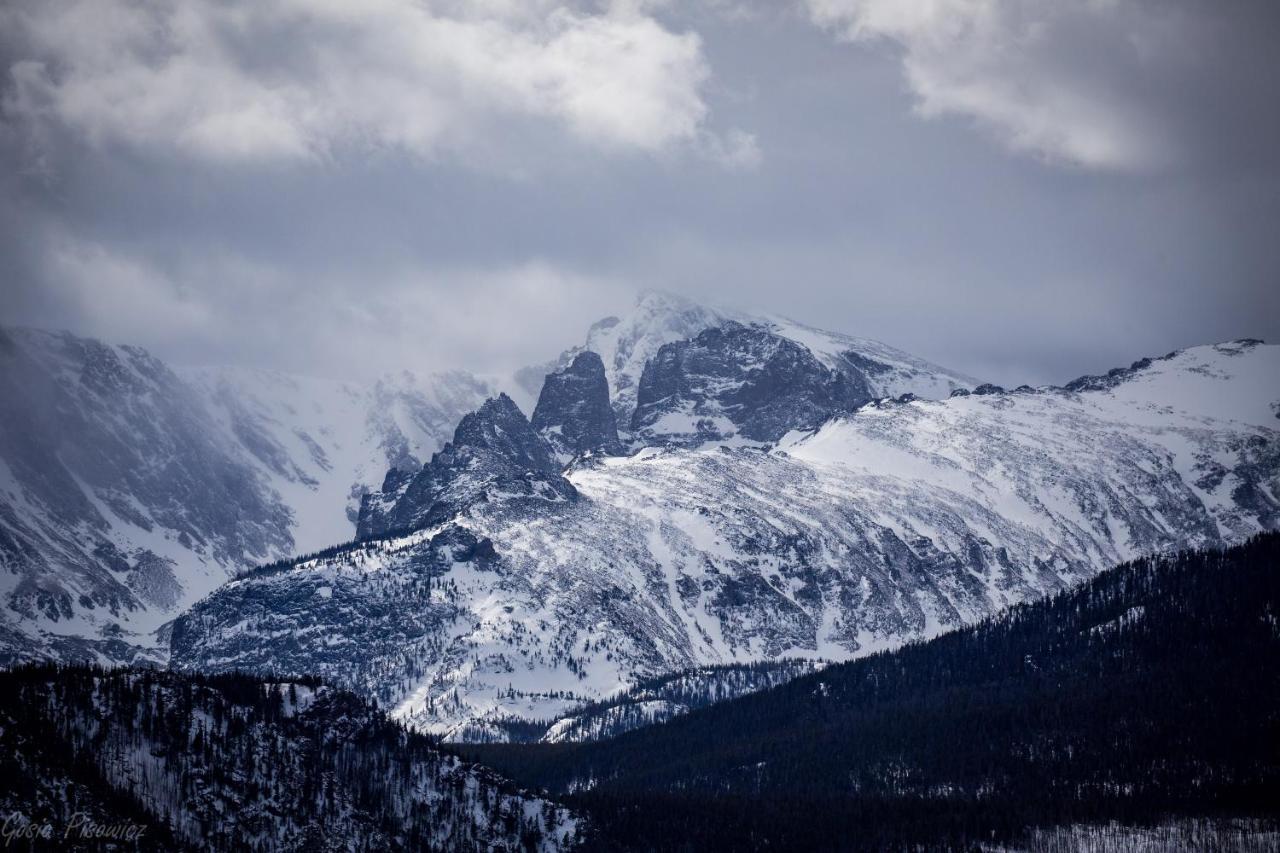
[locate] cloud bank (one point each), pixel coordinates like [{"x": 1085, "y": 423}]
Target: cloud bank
[
  {"x": 246, "y": 80},
  {"x": 1135, "y": 85},
  {"x": 345, "y": 187}
]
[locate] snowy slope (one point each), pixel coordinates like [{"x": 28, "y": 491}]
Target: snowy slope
[
  {"x": 892, "y": 523},
  {"x": 129, "y": 490},
  {"x": 321, "y": 444},
  {"x": 894, "y": 373}
]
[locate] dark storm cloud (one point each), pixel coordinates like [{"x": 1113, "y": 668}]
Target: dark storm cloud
[{"x": 372, "y": 198}]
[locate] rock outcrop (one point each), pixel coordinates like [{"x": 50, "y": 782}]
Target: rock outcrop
[
  {"x": 495, "y": 455},
  {"x": 574, "y": 414}
]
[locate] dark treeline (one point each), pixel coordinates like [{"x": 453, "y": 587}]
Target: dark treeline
[
  {"x": 243, "y": 763},
  {"x": 1147, "y": 693}
]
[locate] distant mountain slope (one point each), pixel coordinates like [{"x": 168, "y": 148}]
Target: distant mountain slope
[
  {"x": 234, "y": 763},
  {"x": 1148, "y": 692},
  {"x": 321, "y": 444},
  {"x": 128, "y": 490},
  {"x": 534, "y": 591},
  {"x": 119, "y": 501}
]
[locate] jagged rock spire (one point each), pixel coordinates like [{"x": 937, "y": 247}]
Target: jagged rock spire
[
  {"x": 574, "y": 414},
  {"x": 494, "y": 451}
]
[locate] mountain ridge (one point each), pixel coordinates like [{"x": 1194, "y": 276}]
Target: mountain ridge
[
  {"x": 237, "y": 763},
  {"x": 889, "y": 523}
]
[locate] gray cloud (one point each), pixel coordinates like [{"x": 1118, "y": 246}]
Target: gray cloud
[
  {"x": 297, "y": 79},
  {"x": 496, "y": 242},
  {"x": 1117, "y": 84}
]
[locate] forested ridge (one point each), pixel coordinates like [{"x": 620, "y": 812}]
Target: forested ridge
[
  {"x": 1149, "y": 692},
  {"x": 240, "y": 763}
]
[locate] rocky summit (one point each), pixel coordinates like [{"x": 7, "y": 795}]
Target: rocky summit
[
  {"x": 495, "y": 454},
  {"x": 574, "y": 413},
  {"x": 737, "y": 380}
]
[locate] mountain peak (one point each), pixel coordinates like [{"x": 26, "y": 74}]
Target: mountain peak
[
  {"x": 495, "y": 450},
  {"x": 500, "y": 427},
  {"x": 574, "y": 413},
  {"x": 500, "y": 406},
  {"x": 660, "y": 317},
  {"x": 736, "y": 379}
]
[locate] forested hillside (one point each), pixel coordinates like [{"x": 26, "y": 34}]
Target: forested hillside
[
  {"x": 1148, "y": 693},
  {"x": 236, "y": 763}
]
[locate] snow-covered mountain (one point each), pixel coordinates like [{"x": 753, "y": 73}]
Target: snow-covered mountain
[
  {"x": 128, "y": 490},
  {"x": 493, "y": 586},
  {"x": 627, "y": 344}
]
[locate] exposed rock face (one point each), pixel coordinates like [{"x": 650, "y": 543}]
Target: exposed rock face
[
  {"x": 495, "y": 453},
  {"x": 739, "y": 380},
  {"x": 628, "y": 343},
  {"x": 574, "y": 413}
]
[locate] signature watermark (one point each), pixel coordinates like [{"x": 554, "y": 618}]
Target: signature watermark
[{"x": 79, "y": 827}]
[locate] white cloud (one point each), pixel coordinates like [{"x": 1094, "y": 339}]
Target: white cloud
[
  {"x": 1068, "y": 81},
  {"x": 305, "y": 79},
  {"x": 127, "y": 298}
]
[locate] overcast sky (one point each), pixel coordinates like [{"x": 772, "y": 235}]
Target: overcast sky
[{"x": 1024, "y": 190}]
